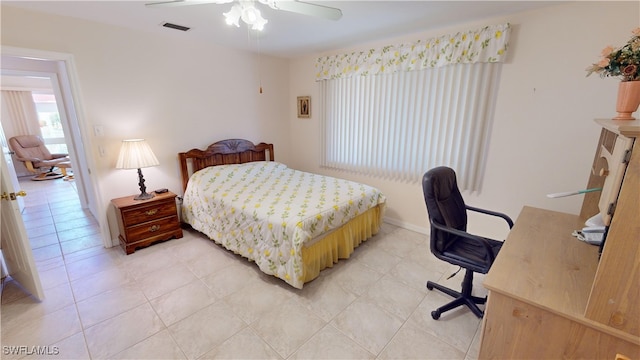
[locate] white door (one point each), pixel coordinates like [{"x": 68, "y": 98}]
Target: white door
[
  {"x": 6, "y": 152},
  {"x": 14, "y": 243}
]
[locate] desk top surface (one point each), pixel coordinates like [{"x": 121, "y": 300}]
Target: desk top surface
[{"x": 543, "y": 264}]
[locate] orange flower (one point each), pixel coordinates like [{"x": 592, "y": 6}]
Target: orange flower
[{"x": 607, "y": 51}]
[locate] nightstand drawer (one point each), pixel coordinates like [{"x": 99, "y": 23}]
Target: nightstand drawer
[
  {"x": 152, "y": 228},
  {"x": 156, "y": 210}
]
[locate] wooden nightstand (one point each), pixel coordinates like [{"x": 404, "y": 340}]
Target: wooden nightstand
[{"x": 143, "y": 222}]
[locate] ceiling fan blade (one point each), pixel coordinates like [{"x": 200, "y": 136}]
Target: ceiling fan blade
[
  {"x": 309, "y": 9},
  {"x": 171, "y": 3}
]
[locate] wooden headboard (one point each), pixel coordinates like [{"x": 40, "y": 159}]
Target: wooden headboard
[{"x": 230, "y": 151}]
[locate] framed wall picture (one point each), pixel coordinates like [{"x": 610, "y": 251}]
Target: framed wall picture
[{"x": 304, "y": 106}]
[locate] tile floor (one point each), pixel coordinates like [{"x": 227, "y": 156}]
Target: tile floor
[{"x": 190, "y": 299}]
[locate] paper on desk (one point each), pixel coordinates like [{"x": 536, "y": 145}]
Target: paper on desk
[{"x": 595, "y": 220}]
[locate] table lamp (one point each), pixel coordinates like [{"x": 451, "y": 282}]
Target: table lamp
[{"x": 136, "y": 154}]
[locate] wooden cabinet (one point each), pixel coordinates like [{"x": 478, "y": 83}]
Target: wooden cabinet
[
  {"x": 552, "y": 296},
  {"x": 143, "y": 222}
]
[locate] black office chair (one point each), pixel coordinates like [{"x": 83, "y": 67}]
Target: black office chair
[{"x": 450, "y": 240}]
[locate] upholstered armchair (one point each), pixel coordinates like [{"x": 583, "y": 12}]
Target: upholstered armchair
[{"x": 31, "y": 150}]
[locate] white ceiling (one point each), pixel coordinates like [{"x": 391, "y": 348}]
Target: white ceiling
[{"x": 288, "y": 34}]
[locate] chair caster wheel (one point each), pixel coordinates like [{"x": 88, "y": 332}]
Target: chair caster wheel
[
  {"x": 435, "y": 315},
  {"x": 429, "y": 286}
]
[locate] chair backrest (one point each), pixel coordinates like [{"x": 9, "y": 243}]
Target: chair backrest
[
  {"x": 445, "y": 205},
  {"x": 29, "y": 147}
]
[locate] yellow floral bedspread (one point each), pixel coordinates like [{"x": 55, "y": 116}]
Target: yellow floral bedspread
[{"x": 267, "y": 212}]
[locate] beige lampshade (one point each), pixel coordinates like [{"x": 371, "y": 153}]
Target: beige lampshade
[{"x": 136, "y": 154}]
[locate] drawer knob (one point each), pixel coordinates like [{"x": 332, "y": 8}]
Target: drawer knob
[
  {"x": 151, "y": 212},
  {"x": 154, "y": 228}
]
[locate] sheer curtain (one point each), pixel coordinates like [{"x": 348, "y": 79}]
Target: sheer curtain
[
  {"x": 21, "y": 115},
  {"x": 413, "y": 107}
]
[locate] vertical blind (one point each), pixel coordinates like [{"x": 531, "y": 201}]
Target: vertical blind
[
  {"x": 22, "y": 115},
  {"x": 399, "y": 124}
]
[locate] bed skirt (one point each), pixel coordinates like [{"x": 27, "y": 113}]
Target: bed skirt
[{"x": 340, "y": 243}]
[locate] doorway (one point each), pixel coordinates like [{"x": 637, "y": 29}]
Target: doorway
[{"x": 79, "y": 193}]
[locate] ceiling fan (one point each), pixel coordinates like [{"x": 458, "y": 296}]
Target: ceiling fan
[{"x": 246, "y": 10}]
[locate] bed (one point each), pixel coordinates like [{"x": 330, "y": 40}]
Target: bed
[{"x": 291, "y": 223}]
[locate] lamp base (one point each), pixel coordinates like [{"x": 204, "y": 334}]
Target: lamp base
[
  {"x": 143, "y": 196},
  {"x": 143, "y": 189}
]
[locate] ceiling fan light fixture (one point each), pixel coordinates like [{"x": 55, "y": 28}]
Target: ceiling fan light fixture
[
  {"x": 232, "y": 17},
  {"x": 250, "y": 15},
  {"x": 259, "y": 24},
  {"x": 247, "y": 11}
]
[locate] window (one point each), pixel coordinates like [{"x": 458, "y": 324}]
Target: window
[
  {"x": 49, "y": 121},
  {"x": 400, "y": 112}
]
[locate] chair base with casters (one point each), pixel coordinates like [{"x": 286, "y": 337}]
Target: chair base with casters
[{"x": 463, "y": 298}]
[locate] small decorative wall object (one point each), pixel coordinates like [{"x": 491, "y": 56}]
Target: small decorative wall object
[{"x": 304, "y": 106}]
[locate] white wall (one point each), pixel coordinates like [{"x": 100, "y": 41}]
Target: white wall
[
  {"x": 543, "y": 138},
  {"x": 177, "y": 93}
]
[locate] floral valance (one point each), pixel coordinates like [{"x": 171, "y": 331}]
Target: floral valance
[{"x": 488, "y": 44}]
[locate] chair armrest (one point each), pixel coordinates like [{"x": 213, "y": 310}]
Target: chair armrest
[
  {"x": 464, "y": 234},
  {"x": 28, "y": 159},
  {"x": 57, "y": 156},
  {"x": 493, "y": 213}
]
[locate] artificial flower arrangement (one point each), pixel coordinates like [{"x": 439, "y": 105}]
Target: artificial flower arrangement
[{"x": 623, "y": 62}]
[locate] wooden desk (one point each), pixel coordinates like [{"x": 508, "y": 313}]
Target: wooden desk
[
  {"x": 553, "y": 269},
  {"x": 552, "y": 296},
  {"x": 539, "y": 288}
]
